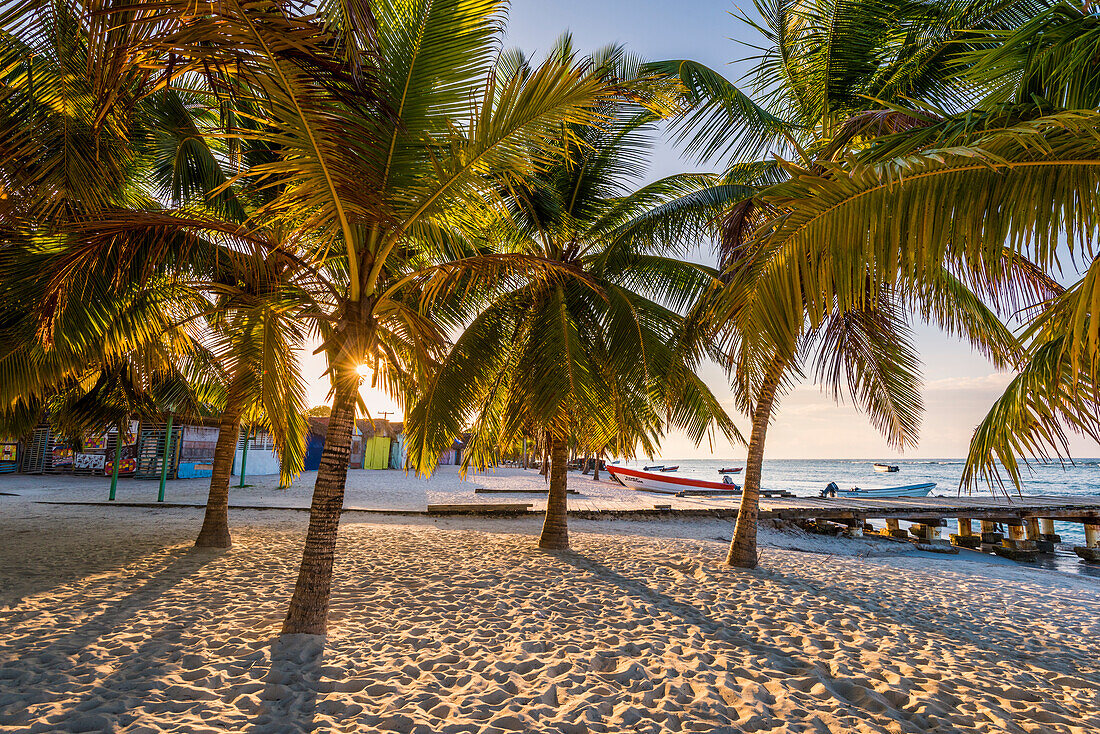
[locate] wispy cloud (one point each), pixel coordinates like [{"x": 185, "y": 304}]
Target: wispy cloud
[{"x": 995, "y": 381}]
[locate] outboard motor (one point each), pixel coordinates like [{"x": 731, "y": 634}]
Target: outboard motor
[{"x": 830, "y": 490}]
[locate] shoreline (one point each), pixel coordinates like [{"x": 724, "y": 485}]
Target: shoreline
[{"x": 395, "y": 492}]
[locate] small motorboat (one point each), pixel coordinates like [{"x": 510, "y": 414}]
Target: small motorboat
[
  {"x": 886, "y": 467},
  {"x": 908, "y": 490},
  {"x": 642, "y": 480},
  {"x": 670, "y": 468},
  {"x": 731, "y": 470},
  {"x": 655, "y": 467}
]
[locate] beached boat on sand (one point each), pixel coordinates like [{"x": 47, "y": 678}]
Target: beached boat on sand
[
  {"x": 886, "y": 467},
  {"x": 635, "y": 479},
  {"x": 908, "y": 490}
]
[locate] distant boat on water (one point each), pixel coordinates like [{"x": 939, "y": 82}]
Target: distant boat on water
[
  {"x": 670, "y": 468},
  {"x": 731, "y": 470},
  {"x": 886, "y": 467},
  {"x": 908, "y": 490},
  {"x": 655, "y": 467},
  {"x": 635, "y": 479}
]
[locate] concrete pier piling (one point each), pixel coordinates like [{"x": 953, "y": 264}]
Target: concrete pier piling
[
  {"x": 1036, "y": 536},
  {"x": 1090, "y": 551},
  {"x": 855, "y": 527},
  {"x": 991, "y": 538},
  {"x": 928, "y": 536},
  {"x": 1016, "y": 546},
  {"x": 893, "y": 529},
  {"x": 966, "y": 538},
  {"x": 1046, "y": 529}
]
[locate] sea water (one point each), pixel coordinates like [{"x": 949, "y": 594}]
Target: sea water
[{"x": 807, "y": 477}]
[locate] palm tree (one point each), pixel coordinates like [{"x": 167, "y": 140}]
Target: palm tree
[
  {"x": 1010, "y": 177},
  {"x": 94, "y": 158},
  {"x": 830, "y": 82},
  {"x": 597, "y": 356},
  {"x": 386, "y": 128}
]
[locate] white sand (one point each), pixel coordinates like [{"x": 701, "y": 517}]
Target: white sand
[{"x": 109, "y": 622}]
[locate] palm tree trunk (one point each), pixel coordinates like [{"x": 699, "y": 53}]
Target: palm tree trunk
[
  {"x": 545, "y": 463},
  {"x": 743, "y": 547},
  {"x": 215, "y": 523},
  {"x": 596, "y": 467},
  {"x": 308, "y": 611},
  {"x": 555, "y": 533}
]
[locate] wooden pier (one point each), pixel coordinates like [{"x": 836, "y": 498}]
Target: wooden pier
[{"x": 1028, "y": 519}]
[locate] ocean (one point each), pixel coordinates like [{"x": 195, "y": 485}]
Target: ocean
[{"x": 807, "y": 477}]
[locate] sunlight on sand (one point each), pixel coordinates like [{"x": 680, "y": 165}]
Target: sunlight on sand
[{"x": 463, "y": 626}]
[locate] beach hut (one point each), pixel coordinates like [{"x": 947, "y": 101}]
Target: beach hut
[
  {"x": 261, "y": 456},
  {"x": 355, "y": 456},
  {"x": 377, "y": 437},
  {"x": 370, "y": 444},
  {"x": 9, "y": 456},
  {"x": 38, "y": 449},
  {"x": 397, "y": 446},
  {"x": 315, "y": 442},
  {"x": 196, "y": 450}
]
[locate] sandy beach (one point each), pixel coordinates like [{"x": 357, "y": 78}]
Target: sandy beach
[{"x": 109, "y": 621}]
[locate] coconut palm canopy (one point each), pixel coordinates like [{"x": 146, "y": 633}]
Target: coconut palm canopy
[
  {"x": 600, "y": 354},
  {"x": 984, "y": 190},
  {"x": 186, "y": 197},
  {"x": 827, "y": 86}
]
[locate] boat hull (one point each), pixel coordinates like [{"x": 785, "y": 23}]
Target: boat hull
[
  {"x": 731, "y": 470},
  {"x": 647, "y": 482},
  {"x": 886, "y": 467},
  {"x": 911, "y": 490}
]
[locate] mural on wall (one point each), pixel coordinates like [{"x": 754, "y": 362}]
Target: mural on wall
[
  {"x": 8, "y": 451},
  {"x": 94, "y": 462},
  {"x": 95, "y": 444},
  {"x": 198, "y": 443},
  {"x": 128, "y": 457},
  {"x": 61, "y": 456}
]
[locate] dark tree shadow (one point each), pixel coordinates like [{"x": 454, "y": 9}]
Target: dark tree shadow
[
  {"x": 288, "y": 701},
  {"x": 148, "y": 660},
  {"x": 692, "y": 615}
]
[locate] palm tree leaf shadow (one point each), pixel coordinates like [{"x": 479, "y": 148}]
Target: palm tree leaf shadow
[
  {"x": 790, "y": 664},
  {"x": 150, "y": 656}
]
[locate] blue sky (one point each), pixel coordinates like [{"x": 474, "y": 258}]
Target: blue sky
[{"x": 959, "y": 384}]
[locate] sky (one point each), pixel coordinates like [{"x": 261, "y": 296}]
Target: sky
[{"x": 960, "y": 385}]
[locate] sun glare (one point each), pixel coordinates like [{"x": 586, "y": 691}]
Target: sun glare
[{"x": 363, "y": 370}]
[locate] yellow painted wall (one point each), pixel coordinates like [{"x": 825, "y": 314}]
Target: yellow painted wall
[{"x": 377, "y": 454}]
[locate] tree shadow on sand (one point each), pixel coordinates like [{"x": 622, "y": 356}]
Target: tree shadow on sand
[
  {"x": 715, "y": 630},
  {"x": 177, "y": 566},
  {"x": 288, "y": 701},
  {"x": 147, "y": 660}
]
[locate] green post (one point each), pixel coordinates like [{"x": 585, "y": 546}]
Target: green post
[
  {"x": 118, "y": 458},
  {"x": 164, "y": 461},
  {"x": 244, "y": 453}
]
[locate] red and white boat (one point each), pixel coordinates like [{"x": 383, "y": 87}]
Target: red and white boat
[{"x": 665, "y": 484}]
